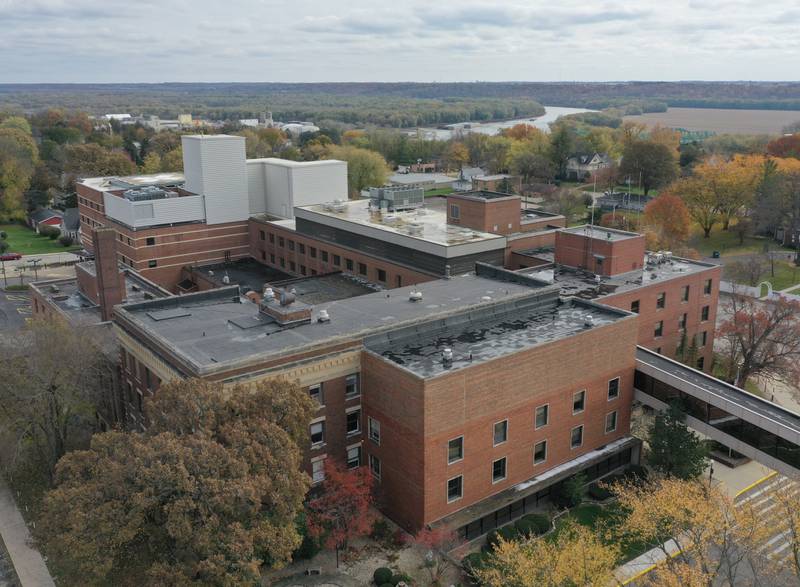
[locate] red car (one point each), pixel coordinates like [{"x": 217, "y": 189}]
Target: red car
[{"x": 10, "y": 257}]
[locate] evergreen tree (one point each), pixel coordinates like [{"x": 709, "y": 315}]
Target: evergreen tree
[{"x": 675, "y": 450}]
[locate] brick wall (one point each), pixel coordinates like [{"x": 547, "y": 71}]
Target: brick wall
[
  {"x": 495, "y": 215},
  {"x": 620, "y": 256}
]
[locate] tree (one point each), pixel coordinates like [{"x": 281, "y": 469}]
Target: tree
[
  {"x": 53, "y": 378},
  {"x": 530, "y": 164},
  {"x": 718, "y": 541},
  {"x": 94, "y": 160},
  {"x": 437, "y": 542},
  {"x": 341, "y": 512},
  {"x": 731, "y": 183},
  {"x": 787, "y": 500},
  {"x": 206, "y": 495},
  {"x": 364, "y": 168},
  {"x": 675, "y": 450},
  {"x": 457, "y": 155},
  {"x": 748, "y": 271},
  {"x": 699, "y": 200},
  {"x": 653, "y": 164},
  {"x": 562, "y": 143},
  {"x": 785, "y": 146},
  {"x": 151, "y": 163},
  {"x": 571, "y": 203},
  {"x": 762, "y": 339},
  {"x": 668, "y": 217},
  {"x": 573, "y": 556},
  {"x": 18, "y": 158},
  {"x": 172, "y": 160}
]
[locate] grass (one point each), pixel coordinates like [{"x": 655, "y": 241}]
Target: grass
[
  {"x": 727, "y": 243},
  {"x": 25, "y": 241},
  {"x": 438, "y": 192},
  {"x": 787, "y": 274}
]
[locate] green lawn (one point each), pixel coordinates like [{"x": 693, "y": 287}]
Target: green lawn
[
  {"x": 25, "y": 241},
  {"x": 727, "y": 243},
  {"x": 439, "y": 192},
  {"x": 787, "y": 274}
]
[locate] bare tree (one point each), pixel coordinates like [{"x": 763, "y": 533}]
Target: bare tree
[{"x": 748, "y": 271}]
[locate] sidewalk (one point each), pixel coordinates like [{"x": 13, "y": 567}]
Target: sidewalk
[{"x": 27, "y": 561}]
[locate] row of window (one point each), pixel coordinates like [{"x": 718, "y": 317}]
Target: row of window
[
  {"x": 90, "y": 204},
  {"x": 149, "y": 241},
  {"x": 352, "y": 427},
  {"x": 455, "y": 485},
  {"x": 352, "y": 459},
  {"x": 661, "y": 299},
  {"x": 352, "y": 389}
]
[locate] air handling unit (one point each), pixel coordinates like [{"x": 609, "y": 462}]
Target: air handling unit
[{"x": 393, "y": 199}]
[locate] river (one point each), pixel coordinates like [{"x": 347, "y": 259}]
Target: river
[{"x": 551, "y": 114}]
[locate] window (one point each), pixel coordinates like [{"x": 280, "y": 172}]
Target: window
[
  {"x": 542, "y": 416},
  {"x": 362, "y": 268},
  {"x": 704, "y": 314},
  {"x": 353, "y": 422},
  {"x": 272, "y": 258},
  {"x": 318, "y": 471},
  {"x": 280, "y": 241},
  {"x": 500, "y": 432},
  {"x": 337, "y": 260},
  {"x": 263, "y": 255},
  {"x": 579, "y": 401},
  {"x": 148, "y": 382},
  {"x": 151, "y": 240},
  {"x": 375, "y": 466},
  {"x": 351, "y": 388},
  {"x": 312, "y": 252},
  {"x": 661, "y": 300},
  {"x": 301, "y": 248},
  {"x": 455, "y": 450},
  {"x": 315, "y": 393},
  {"x": 282, "y": 262},
  {"x": 703, "y": 336},
  {"x": 576, "y": 438},
  {"x": 291, "y": 244},
  {"x": 262, "y": 235},
  {"x": 317, "y": 433},
  {"x": 682, "y": 321},
  {"x": 374, "y": 430},
  {"x": 685, "y": 293},
  {"x": 635, "y": 306},
  {"x": 613, "y": 389},
  {"x": 659, "y": 330},
  {"x": 455, "y": 488},
  {"x": 540, "y": 452},
  {"x": 292, "y": 266},
  {"x": 139, "y": 401},
  {"x": 701, "y": 363},
  {"x": 348, "y": 263},
  {"x": 499, "y": 470},
  {"x": 271, "y": 238},
  {"x": 324, "y": 256},
  {"x": 398, "y": 281},
  {"x": 455, "y": 212},
  {"x": 382, "y": 275},
  {"x": 611, "y": 422},
  {"x": 707, "y": 287},
  {"x": 354, "y": 457},
  {"x": 152, "y": 263},
  {"x": 303, "y": 270}
]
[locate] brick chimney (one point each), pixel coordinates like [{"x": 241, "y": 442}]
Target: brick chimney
[{"x": 110, "y": 281}]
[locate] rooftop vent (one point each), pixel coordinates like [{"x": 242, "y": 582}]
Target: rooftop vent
[
  {"x": 285, "y": 310},
  {"x": 323, "y": 316},
  {"x": 486, "y": 298},
  {"x": 54, "y": 288},
  {"x": 447, "y": 357},
  {"x": 588, "y": 321},
  {"x": 415, "y": 296},
  {"x": 269, "y": 294}
]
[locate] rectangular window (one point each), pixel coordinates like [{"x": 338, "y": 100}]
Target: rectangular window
[
  {"x": 280, "y": 241},
  {"x": 375, "y": 466},
  {"x": 613, "y": 389},
  {"x": 151, "y": 240},
  {"x": 611, "y": 421},
  {"x": 542, "y": 416},
  {"x": 455, "y": 450},
  {"x": 499, "y": 470},
  {"x": 635, "y": 306},
  {"x": 261, "y": 235},
  {"x": 291, "y": 244},
  {"x": 139, "y": 401},
  {"x": 455, "y": 488},
  {"x": 703, "y": 336},
  {"x": 272, "y": 238},
  {"x": 398, "y": 281},
  {"x": 661, "y": 300},
  {"x": 317, "y": 433},
  {"x": 701, "y": 363},
  {"x": 324, "y": 256},
  {"x": 282, "y": 262},
  {"x": 353, "y": 425},
  {"x": 382, "y": 275},
  {"x": 500, "y": 432},
  {"x": 374, "y": 430},
  {"x": 354, "y": 457},
  {"x": 348, "y": 263},
  {"x": 292, "y": 266},
  {"x": 303, "y": 270},
  {"x": 272, "y": 258},
  {"x": 704, "y": 314},
  {"x": 579, "y": 401},
  {"x": 263, "y": 255},
  {"x": 659, "y": 329},
  {"x": 540, "y": 452},
  {"x": 455, "y": 212},
  {"x": 315, "y": 393},
  {"x": 685, "y": 293},
  {"x": 362, "y": 269},
  {"x": 312, "y": 252},
  {"x": 576, "y": 438},
  {"x": 707, "y": 287},
  {"x": 351, "y": 387},
  {"x": 318, "y": 471},
  {"x": 152, "y": 263},
  {"x": 337, "y": 260},
  {"x": 682, "y": 321},
  {"x": 301, "y": 248}
]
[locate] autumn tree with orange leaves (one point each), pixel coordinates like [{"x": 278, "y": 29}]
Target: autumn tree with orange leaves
[
  {"x": 342, "y": 509},
  {"x": 668, "y": 219}
]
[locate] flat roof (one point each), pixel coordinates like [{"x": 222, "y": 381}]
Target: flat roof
[
  {"x": 218, "y": 330},
  {"x": 585, "y": 285},
  {"x": 422, "y": 224},
  {"x": 300, "y": 164},
  {"x": 488, "y": 336},
  {"x": 133, "y": 181},
  {"x": 601, "y": 233},
  {"x": 484, "y": 195}
]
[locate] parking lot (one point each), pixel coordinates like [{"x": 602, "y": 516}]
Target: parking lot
[{"x": 15, "y": 307}]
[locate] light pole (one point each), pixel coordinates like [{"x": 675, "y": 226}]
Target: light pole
[
  {"x": 5, "y": 276},
  {"x": 35, "y": 265}
]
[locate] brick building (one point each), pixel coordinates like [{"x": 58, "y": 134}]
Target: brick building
[{"x": 449, "y": 391}]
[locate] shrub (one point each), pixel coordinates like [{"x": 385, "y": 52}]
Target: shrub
[
  {"x": 66, "y": 240},
  {"x": 3, "y": 234},
  {"x": 533, "y": 525},
  {"x": 380, "y": 529},
  {"x": 473, "y": 562},
  {"x": 401, "y": 578},
  {"x": 571, "y": 492},
  {"x": 508, "y": 532},
  {"x": 382, "y": 576},
  {"x": 596, "y": 491},
  {"x": 636, "y": 473}
]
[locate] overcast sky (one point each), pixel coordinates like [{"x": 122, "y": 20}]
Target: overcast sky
[{"x": 400, "y": 40}]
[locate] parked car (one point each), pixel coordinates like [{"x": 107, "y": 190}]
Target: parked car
[{"x": 10, "y": 257}]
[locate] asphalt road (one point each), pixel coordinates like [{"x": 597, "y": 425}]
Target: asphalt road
[{"x": 15, "y": 307}]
